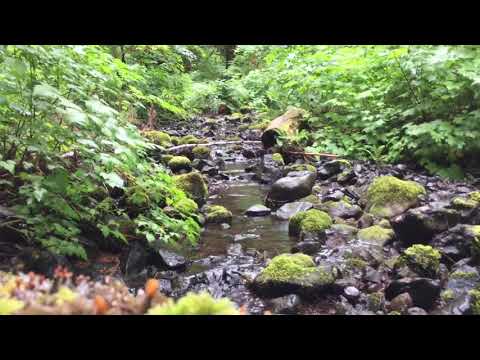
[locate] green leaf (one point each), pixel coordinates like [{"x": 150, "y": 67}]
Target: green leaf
[
  {"x": 112, "y": 180},
  {"x": 8, "y": 165}
]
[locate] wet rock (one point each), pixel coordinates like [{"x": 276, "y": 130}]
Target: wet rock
[
  {"x": 401, "y": 303},
  {"x": 366, "y": 220},
  {"x": 42, "y": 261},
  {"x": 242, "y": 237},
  {"x": 194, "y": 186},
  {"x": 424, "y": 292},
  {"x": 419, "y": 225},
  {"x": 351, "y": 293},
  {"x": 331, "y": 168},
  {"x": 416, "y": 311},
  {"x": 339, "y": 234},
  {"x": 217, "y": 214},
  {"x": 286, "y": 304},
  {"x": 376, "y": 235},
  {"x": 341, "y": 209},
  {"x": 285, "y": 212},
  {"x": 459, "y": 242},
  {"x": 293, "y": 187},
  {"x": 210, "y": 171},
  {"x": 336, "y": 195},
  {"x": 309, "y": 247},
  {"x": 249, "y": 154},
  {"x": 137, "y": 259},
  {"x": 258, "y": 210},
  {"x": 168, "y": 259},
  {"x": 346, "y": 177}
]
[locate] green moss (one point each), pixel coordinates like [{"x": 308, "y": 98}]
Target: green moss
[
  {"x": 375, "y": 301},
  {"x": 175, "y": 140},
  {"x": 201, "y": 152},
  {"x": 356, "y": 263},
  {"x": 217, "y": 214},
  {"x": 345, "y": 162},
  {"x": 312, "y": 220},
  {"x": 159, "y": 138},
  {"x": 166, "y": 158},
  {"x": 196, "y": 304},
  {"x": 475, "y": 301},
  {"x": 233, "y": 138},
  {"x": 243, "y": 127},
  {"x": 375, "y": 234},
  {"x": 186, "y": 206},
  {"x": 394, "y": 313},
  {"x": 384, "y": 223},
  {"x": 10, "y": 306},
  {"x": 311, "y": 199},
  {"x": 287, "y": 267},
  {"x": 193, "y": 185},
  {"x": 475, "y": 231},
  {"x": 447, "y": 295},
  {"x": 65, "y": 295},
  {"x": 189, "y": 139},
  {"x": 463, "y": 275},
  {"x": 388, "y": 196},
  {"x": 262, "y": 125},
  {"x": 301, "y": 167},
  {"x": 474, "y": 196},
  {"x": 462, "y": 203},
  {"x": 278, "y": 159},
  {"x": 178, "y": 163},
  {"x": 422, "y": 259}
]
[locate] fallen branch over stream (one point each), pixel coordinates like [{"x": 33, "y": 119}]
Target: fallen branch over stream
[{"x": 218, "y": 143}]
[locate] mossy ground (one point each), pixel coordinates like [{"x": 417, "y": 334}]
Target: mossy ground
[{"x": 189, "y": 139}]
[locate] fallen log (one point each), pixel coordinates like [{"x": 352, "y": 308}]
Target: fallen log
[
  {"x": 286, "y": 124},
  {"x": 217, "y": 143}
]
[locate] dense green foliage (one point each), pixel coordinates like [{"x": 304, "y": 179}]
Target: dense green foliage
[
  {"x": 72, "y": 164},
  {"x": 386, "y": 103}
]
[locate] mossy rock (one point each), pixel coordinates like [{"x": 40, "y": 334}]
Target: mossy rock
[
  {"x": 300, "y": 167},
  {"x": 461, "y": 203},
  {"x": 166, "y": 158},
  {"x": 292, "y": 274},
  {"x": 175, "y": 140},
  {"x": 389, "y": 196},
  {"x": 189, "y": 139},
  {"x": 376, "y": 235},
  {"x": 278, "y": 159},
  {"x": 262, "y": 125},
  {"x": 341, "y": 209},
  {"x": 475, "y": 196},
  {"x": 313, "y": 199},
  {"x": 312, "y": 221},
  {"x": 201, "y": 152},
  {"x": 195, "y": 304},
  {"x": 217, "y": 214},
  {"x": 243, "y": 127},
  {"x": 179, "y": 163},
  {"x": 474, "y": 301},
  {"x": 233, "y": 138},
  {"x": 194, "y": 186},
  {"x": 159, "y": 138},
  {"x": 186, "y": 206},
  {"x": 422, "y": 259}
]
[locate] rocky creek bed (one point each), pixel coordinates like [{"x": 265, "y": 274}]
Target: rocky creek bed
[{"x": 327, "y": 237}]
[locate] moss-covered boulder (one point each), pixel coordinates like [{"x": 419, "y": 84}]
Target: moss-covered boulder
[
  {"x": 312, "y": 199},
  {"x": 179, "y": 163},
  {"x": 217, "y": 214},
  {"x": 389, "y": 196},
  {"x": 461, "y": 203},
  {"x": 201, "y": 152},
  {"x": 311, "y": 221},
  {"x": 475, "y": 196},
  {"x": 300, "y": 167},
  {"x": 293, "y": 274},
  {"x": 194, "y": 186},
  {"x": 278, "y": 159},
  {"x": 421, "y": 259},
  {"x": 189, "y": 139},
  {"x": 166, "y": 158},
  {"x": 195, "y": 304},
  {"x": 376, "y": 235},
  {"x": 159, "y": 138}
]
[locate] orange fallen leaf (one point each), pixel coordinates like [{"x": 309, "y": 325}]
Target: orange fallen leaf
[
  {"x": 151, "y": 287},
  {"x": 101, "y": 305}
]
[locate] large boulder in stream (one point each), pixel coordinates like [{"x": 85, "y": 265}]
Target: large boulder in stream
[
  {"x": 293, "y": 274},
  {"x": 290, "y": 209},
  {"x": 294, "y": 186},
  {"x": 389, "y": 196}
]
